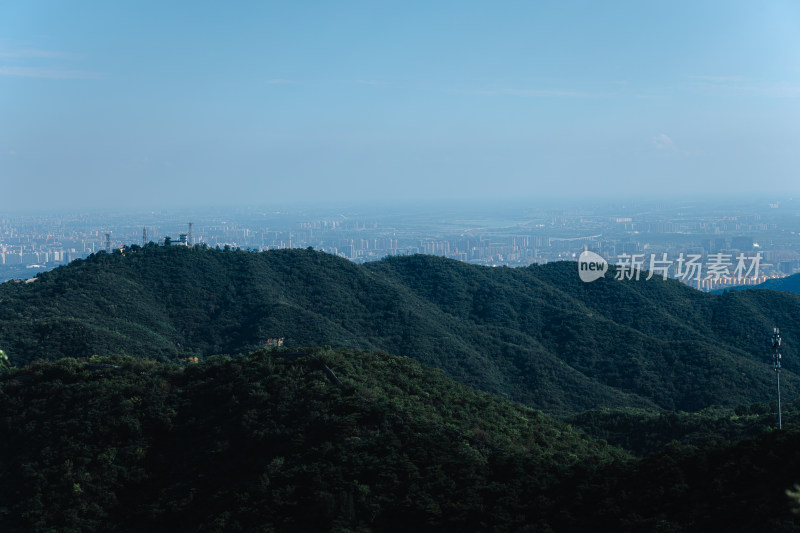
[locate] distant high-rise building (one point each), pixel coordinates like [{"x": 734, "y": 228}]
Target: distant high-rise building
[{"x": 742, "y": 243}]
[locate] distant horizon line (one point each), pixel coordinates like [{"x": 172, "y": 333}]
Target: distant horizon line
[{"x": 288, "y": 207}]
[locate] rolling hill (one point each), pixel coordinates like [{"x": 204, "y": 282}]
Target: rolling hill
[
  {"x": 787, "y": 284},
  {"x": 536, "y": 335},
  {"x": 340, "y": 440},
  {"x": 291, "y": 441}
]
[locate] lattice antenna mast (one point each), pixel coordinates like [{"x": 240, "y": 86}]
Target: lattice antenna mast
[
  {"x": 190, "y": 240},
  {"x": 776, "y": 345},
  {"x": 144, "y": 236}
]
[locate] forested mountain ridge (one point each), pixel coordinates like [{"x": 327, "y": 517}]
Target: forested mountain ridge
[
  {"x": 537, "y": 335},
  {"x": 273, "y": 440},
  {"x": 786, "y": 284},
  {"x": 338, "y": 440}
]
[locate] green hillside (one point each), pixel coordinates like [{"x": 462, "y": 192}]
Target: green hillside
[
  {"x": 335, "y": 440},
  {"x": 644, "y": 431},
  {"x": 787, "y": 284},
  {"x": 737, "y": 487},
  {"x": 290, "y": 441},
  {"x": 537, "y": 335}
]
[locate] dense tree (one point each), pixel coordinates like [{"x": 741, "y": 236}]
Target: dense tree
[
  {"x": 109, "y": 426},
  {"x": 537, "y": 335},
  {"x": 287, "y": 440},
  {"x": 335, "y": 440}
]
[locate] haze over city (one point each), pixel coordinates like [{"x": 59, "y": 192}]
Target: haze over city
[{"x": 152, "y": 104}]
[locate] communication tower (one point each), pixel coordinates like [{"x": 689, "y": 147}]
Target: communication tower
[{"x": 776, "y": 345}]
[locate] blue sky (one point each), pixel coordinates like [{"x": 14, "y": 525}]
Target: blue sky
[{"x": 200, "y": 103}]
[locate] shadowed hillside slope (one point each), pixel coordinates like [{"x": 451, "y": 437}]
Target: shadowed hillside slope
[
  {"x": 308, "y": 441},
  {"x": 537, "y": 335},
  {"x": 786, "y": 284},
  {"x": 337, "y": 440}
]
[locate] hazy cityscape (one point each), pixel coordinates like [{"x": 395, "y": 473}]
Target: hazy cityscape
[{"x": 493, "y": 234}]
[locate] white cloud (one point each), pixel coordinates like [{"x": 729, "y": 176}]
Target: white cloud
[
  {"x": 721, "y": 79},
  {"x": 372, "y": 82},
  {"x": 29, "y": 53},
  {"x": 780, "y": 90},
  {"x": 558, "y": 93},
  {"x": 663, "y": 142},
  {"x": 750, "y": 87},
  {"x": 38, "y": 63},
  {"x": 284, "y": 81},
  {"x": 46, "y": 72}
]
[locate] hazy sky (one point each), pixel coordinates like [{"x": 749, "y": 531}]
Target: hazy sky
[{"x": 199, "y": 103}]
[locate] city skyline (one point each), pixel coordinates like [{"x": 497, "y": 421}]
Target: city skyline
[{"x": 648, "y": 235}]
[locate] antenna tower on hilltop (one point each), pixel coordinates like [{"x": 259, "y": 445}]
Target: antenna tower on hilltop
[{"x": 776, "y": 344}]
